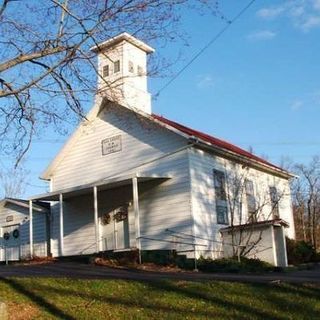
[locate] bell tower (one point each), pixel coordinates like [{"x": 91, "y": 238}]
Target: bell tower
[{"x": 122, "y": 66}]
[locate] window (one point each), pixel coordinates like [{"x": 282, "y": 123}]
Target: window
[
  {"x": 222, "y": 214},
  {"x": 105, "y": 71},
  {"x": 131, "y": 68},
  {"x": 140, "y": 71},
  {"x": 251, "y": 201},
  {"x": 274, "y": 202},
  {"x": 116, "y": 66},
  {"x": 219, "y": 185},
  {"x": 221, "y": 197}
]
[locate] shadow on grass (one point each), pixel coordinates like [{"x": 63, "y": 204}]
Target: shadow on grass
[
  {"x": 38, "y": 300},
  {"x": 224, "y": 307},
  {"x": 143, "y": 303},
  {"x": 223, "y": 303}
]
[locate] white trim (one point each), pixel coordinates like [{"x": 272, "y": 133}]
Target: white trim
[
  {"x": 31, "y": 228},
  {"x": 118, "y": 39},
  {"x": 274, "y": 249},
  {"x": 192, "y": 206},
  {"x": 111, "y": 182},
  {"x": 284, "y": 245},
  {"x": 96, "y": 219},
  {"x": 135, "y": 192},
  {"x": 22, "y": 204},
  {"x": 61, "y": 224},
  {"x": 2, "y": 245}
]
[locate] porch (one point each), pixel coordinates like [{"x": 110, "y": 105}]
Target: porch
[{"x": 97, "y": 217}]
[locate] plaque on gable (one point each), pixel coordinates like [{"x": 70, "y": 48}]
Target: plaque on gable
[
  {"x": 9, "y": 218},
  {"x": 111, "y": 145}
]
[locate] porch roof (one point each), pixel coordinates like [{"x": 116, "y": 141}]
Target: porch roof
[
  {"x": 258, "y": 224},
  {"x": 104, "y": 184}
]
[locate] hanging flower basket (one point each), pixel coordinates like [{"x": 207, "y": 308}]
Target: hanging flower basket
[
  {"x": 6, "y": 236},
  {"x": 105, "y": 219},
  {"x": 121, "y": 214}
]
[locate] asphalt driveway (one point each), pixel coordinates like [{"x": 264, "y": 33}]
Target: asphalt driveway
[{"x": 87, "y": 271}]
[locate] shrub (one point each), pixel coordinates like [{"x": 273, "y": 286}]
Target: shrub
[
  {"x": 233, "y": 265},
  {"x": 160, "y": 257},
  {"x": 300, "y": 252}
]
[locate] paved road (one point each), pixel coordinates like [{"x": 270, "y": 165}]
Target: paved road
[{"x": 86, "y": 271}]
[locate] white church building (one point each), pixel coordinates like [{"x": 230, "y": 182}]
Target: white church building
[{"x": 128, "y": 179}]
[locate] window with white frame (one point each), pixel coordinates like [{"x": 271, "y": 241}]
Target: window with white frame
[
  {"x": 116, "y": 66},
  {"x": 222, "y": 214},
  {"x": 274, "y": 199},
  {"x": 131, "y": 67},
  {"x": 221, "y": 197},
  {"x": 140, "y": 71},
  {"x": 251, "y": 201},
  {"x": 105, "y": 71}
]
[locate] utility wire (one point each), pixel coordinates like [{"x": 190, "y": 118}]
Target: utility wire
[{"x": 213, "y": 40}]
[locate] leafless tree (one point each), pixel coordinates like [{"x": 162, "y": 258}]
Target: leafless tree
[
  {"x": 47, "y": 72},
  {"x": 249, "y": 202},
  {"x": 306, "y": 200},
  {"x": 13, "y": 181}
]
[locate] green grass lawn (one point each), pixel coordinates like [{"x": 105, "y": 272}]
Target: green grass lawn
[{"x": 48, "y": 298}]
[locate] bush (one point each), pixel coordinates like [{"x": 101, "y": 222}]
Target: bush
[
  {"x": 160, "y": 257},
  {"x": 300, "y": 252},
  {"x": 233, "y": 265}
]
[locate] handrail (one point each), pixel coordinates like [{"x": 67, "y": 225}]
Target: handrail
[
  {"x": 170, "y": 241},
  {"x": 214, "y": 241}
]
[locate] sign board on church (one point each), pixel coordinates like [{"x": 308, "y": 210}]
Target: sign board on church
[{"x": 111, "y": 145}]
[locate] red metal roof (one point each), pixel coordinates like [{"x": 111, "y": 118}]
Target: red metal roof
[{"x": 214, "y": 141}]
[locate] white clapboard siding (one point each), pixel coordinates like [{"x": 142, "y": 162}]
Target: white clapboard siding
[
  {"x": 203, "y": 197},
  {"x": 21, "y": 220},
  {"x": 142, "y": 140},
  {"x": 162, "y": 204}
]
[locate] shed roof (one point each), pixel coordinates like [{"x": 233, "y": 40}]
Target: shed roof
[
  {"x": 36, "y": 205},
  {"x": 258, "y": 224},
  {"x": 103, "y": 184}
]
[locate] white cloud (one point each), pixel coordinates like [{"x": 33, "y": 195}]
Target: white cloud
[
  {"x": 303, "y": 14},
  {"x": 261, "y": 35},
  {"x": 310, "y": 23},
  {"x": 205, "y": 81},
  {"x": 270, "y": 13},
  {"x": 296, "y": 105},
  {"x": 297, "y": 11},
  {"x": 316, "y": 4}
]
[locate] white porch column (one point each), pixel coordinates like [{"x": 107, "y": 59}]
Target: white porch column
[
  {"x": 284, "y": 245},
  {"x": 96, "y": 219},
  {"x": 274, "y": 249},
  {"x": 136, "y": 213},
  {"x": 31, "y": 228},
  {"x": 61, "y": 223}
]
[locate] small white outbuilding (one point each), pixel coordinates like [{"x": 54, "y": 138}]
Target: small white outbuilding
[
  {"x": 128, "y": 179},
  {"x": 15, "y": 229}
]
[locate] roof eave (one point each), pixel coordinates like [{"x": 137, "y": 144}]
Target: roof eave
[
  {"x": 122, "y": 37},
  {"x": 259, "y": 224},
  {"x": 243, "y": 159}
]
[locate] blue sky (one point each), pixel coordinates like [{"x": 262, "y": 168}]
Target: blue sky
[{"x": 258, "y": 85}]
